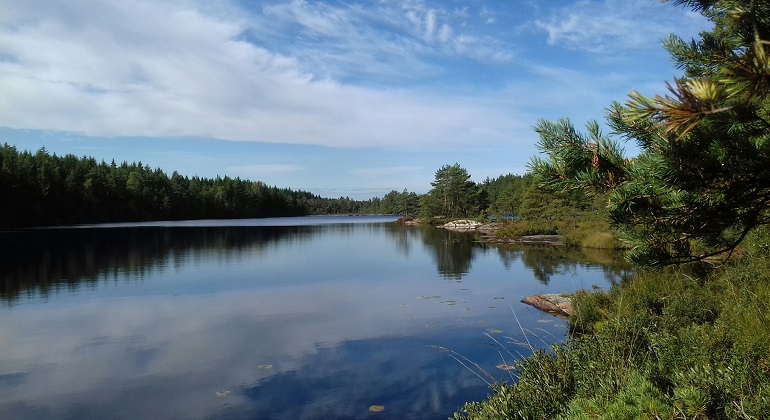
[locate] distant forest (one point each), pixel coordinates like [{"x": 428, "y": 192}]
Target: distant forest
[{"x": 43, "y": 189}]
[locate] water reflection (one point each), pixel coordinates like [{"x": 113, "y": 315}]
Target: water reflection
[
  {"x": 45, "y": 261},
  {"x": 265, "y": 321},
  {"x": 548, "y": 261},
  {"x": 453, "y": 252}
]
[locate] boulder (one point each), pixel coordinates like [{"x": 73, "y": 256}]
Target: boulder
[
  {"x": 462, "y": 225},
  {"x": 407, "y": 221},
  {"x": 552, "y": 303}
]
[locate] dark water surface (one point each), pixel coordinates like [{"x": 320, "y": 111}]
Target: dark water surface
[{"x": 291, "y": 318}]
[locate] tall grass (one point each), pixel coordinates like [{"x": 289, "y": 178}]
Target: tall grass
[
  {"x": 664, "y": 345},
  {"x": 588, "y": 231}
]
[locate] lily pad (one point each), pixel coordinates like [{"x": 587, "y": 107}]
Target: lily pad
[{"x": 376, "y": 408}]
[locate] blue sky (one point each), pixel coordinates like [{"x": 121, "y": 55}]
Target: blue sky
[{"x": 339, "y": 98}]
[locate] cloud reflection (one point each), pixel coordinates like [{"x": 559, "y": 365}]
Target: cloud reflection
[{"x": 154, "y": 324}]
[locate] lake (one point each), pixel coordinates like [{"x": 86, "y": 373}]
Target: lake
[{"x": 285, "y": 318}]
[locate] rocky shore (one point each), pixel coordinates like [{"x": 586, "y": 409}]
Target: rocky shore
[{"x": 488, "y": 232}]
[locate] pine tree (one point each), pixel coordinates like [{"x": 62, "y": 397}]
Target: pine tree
[
  {"x": 702, "y": 179},
  {"x": 453, "y": 193}
]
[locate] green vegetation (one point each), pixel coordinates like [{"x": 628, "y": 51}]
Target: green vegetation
[
  {"x": 453, "y": 194},
  {"x": 536, "y": 209},
  {"x": 702, "y": 180},
  {"x": 502, "y": 196},
  {"x": 665, "y": 345},
  {"x": 42, "y": 189},
  {"x": 580, "y": 219},
  {"x": 404, "y": 203},
  {"x": 684, "y": 341}
]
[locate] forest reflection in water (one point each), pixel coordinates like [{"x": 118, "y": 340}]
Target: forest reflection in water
[
  {"x": 47, "y": 260},
  {"x": 308, "y": 318}
]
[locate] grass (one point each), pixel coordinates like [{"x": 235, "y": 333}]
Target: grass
[
  {"x": 668, "y": 345},
  {"x": 588, "y": 231},
  {"x": 600, "y": 240},
  {"x": 525, "y": 228}
]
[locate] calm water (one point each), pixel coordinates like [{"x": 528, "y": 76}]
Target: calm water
[{"x": 291, "y": 318}]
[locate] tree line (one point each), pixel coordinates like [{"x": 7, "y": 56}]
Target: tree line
[
  {"x": 43, "y": 189},
  {"x": 454, "y": 195}
]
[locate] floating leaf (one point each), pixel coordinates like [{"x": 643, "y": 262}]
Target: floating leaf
[
  {"x": 505, "y": 366},
  {"x": 265, "y": 366},
  {"x": 376, "y": 408}
]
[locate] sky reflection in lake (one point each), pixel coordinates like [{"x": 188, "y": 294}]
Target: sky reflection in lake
[{"x": 289, "y": 322}]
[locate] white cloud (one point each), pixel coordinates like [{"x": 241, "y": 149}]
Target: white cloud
[
  {"x": 445, "y": 33},
  {"x": 168, "y": 69},
  {"x": 317, "y": 18},
  {"x": 616, "y": 26},
  {"x": 430, "y": 25},
  {"x": 280, "y": 73}
]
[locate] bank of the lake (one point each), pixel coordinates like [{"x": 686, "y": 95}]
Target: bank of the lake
[{"x": 670, "y": 344}]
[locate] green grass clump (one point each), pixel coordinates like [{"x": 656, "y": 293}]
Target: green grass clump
[
  {"x": 665, "y": 345},
  {"x": 601, "y": 240},
  {"x": 526, "y": 228},
  {"x": 587, "y": 230}
]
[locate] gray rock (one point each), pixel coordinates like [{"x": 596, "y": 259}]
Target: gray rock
[
  {"x": 552, "y": 303},
  {"x": 462, "y": 225}
]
